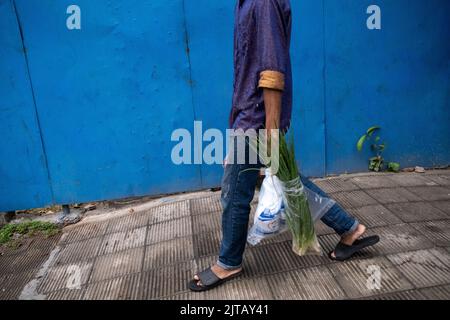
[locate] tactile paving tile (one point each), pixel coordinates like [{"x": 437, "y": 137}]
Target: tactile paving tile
[
  {"x": 402, "y": 295},
  {"x": 170, "y": 211},
  {"x": 23, "y": 261},
  {"x": 424, "y": 268},
  {"x": 333, "y": 185},
  {"x": 206, "y": 205},
  {"x": 353, "y": 199},
  {"x": 117, "y": 264},
  {"x": 167, "y": 281},
  {"x": 66, "y": 294},
  {"x": 63, "y": 277},
  {"x": 273, "y": 258},
  {"x": 444, "y": 206},
  {"x": 375, "y": 216},
  {"x": 207, "y": 243},
  {"x": 130, "y": 221},
  {"x": 236, "y": 289},
  {"x": 393, "y": 239},
  {"x": 315, "y": 283},
  {"x": 169, "y": 230},
  {"x": 437, "y": 293},
  {"x": 431, "y": 193},
  {"x": 168, "y": 252},
  {"x": 372, "y": 182},
  {"x": 322, "y": 228},
  {"x": 207, "y": 222},
  {"x": 398, "y": 238},
  {"x": 437, "y": 231},
  {"x": 416, "y": 211},
  {"x": 78, "y": 251},
  {"x": 443, "y": 180},
  {"x": 411, "y": 179},
  {"x": 11, "y": 285},
  {"x": 358, "y": 277},
  {"x": 385, "y": 196},
  {"x": 119, "y": 241},
  {"x": 122, "y": 288},
  {"x": 86, "y": 231},
  {"x": 42, "y": 243}
]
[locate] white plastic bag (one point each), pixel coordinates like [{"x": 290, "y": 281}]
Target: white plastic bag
[{"x": 270, "y": 219}]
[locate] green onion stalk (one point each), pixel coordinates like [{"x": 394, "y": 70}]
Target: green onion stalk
[{"x": 298, "y": 214}]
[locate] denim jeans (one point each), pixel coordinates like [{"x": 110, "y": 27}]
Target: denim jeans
[{"x": 238, "y": 188}]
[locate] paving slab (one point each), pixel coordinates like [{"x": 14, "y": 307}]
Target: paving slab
[
  {"x": 431, "y": 193},
  {"x": 443, "y": 180},
  {"x": 169, "y": 230},
  {"x": 206, "y": 222},
  {"x": 437, "y": 232},
  {"x": 167, "y": 281},
  {"x": 84, "y": 231},
  {"x": 444, "y": 206},
  {"x": 117, "y": 264},
  {"x": 412, "y": 180},
  {"x": 128, "y": 222},
  {"x": 371, "y": 182},
  {"x": 238, "y": 289},
  {"x": 168, "y": 212},
  {"x": 402, "y": 295},
  {"x": 67, "y": 294},
  {"x": 79, "y": 251},
  {"x": 315, "y": 283},
  {"x": 278, "y": 257},
  {"x": 375, "y": 216},
  {"x": 119, "y": 241},
  {"x": 207, "y": 243},
  {"x": 206, "y": 205},
  {"x": 395, "y": 238},
  {"x": 11, "y": 285},
  {"x": 168, "y": 253},
  {"x": 437, "y": 293},
  {"x": 333, "y": 185},
  {"x": 416, "y": 211},
  {"x": 63, "y": 276},
  {"x": 424, "y": 268},
  {"x": 353, "y": 199},
  {"x": 122, "y": 288},
  {"x": 386, "y": 196},
  {"x": 357, "y": 277},
  {"x": 154, "y": 252}
]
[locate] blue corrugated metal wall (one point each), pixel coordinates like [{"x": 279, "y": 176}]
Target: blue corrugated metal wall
[{"x": 88, "y": 114}]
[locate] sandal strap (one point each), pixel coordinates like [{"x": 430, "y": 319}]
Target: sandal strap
[{"x": 208, "y": 277}]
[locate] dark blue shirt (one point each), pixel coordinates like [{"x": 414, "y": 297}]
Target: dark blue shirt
[{"x": 261, "y": 42}]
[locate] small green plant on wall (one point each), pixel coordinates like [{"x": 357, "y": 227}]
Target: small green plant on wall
[{"x": 376, "y": 163}]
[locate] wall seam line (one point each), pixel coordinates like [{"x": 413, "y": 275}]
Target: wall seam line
[
  {"x": 188, "y": 54},
  {"x": 324, "y": 75},
  {"x": 25, "y": 54}
]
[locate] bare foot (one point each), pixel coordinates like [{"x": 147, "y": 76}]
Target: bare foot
[
  {"x": 351, "y": 238},
  {"x": 219, "y": 272}
]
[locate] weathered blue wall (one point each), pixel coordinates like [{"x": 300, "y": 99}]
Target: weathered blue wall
[{"x": 88, "y": 114}]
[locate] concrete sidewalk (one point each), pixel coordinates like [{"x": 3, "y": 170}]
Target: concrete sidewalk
[{"x": 152, "y": 253}]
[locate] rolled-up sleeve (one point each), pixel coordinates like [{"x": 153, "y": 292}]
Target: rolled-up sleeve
[{"x": 272, "y": 46}]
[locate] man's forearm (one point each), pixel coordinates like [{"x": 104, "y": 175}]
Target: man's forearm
[{"x": 272, "y": 102}]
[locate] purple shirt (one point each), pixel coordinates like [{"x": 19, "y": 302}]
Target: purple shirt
[{"x": 261, "y": 42}]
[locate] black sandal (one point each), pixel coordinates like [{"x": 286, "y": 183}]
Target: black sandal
[
  {"x": 343, "y": 252},
  {"x": 209, "y": 280}
]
